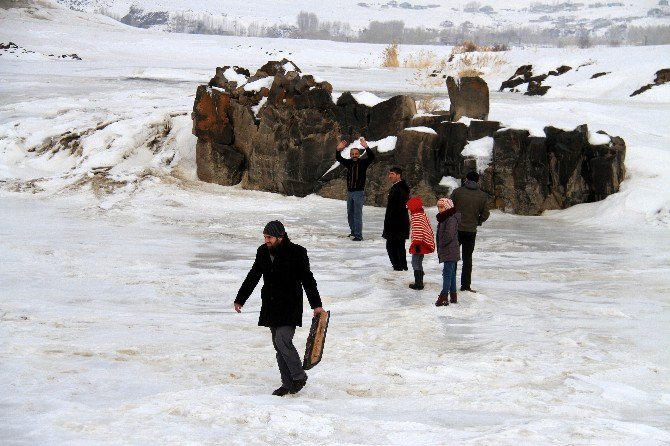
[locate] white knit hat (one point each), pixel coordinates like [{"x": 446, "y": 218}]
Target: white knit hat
[{"x": 446, "y": 202}]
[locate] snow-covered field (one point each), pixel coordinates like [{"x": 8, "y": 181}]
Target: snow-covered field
[{"x": 118, "y": 268}]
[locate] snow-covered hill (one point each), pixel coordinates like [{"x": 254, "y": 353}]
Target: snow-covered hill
[{"x": 243, "y": 17}]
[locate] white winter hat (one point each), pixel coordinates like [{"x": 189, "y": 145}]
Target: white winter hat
[{"x": 446, "y": 202}]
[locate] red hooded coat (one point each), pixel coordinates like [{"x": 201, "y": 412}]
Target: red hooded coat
[{"x": 421, "y": 232}]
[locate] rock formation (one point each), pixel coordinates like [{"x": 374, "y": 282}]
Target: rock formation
[
  {"x": 524, "y": 75},
  {"x": 531, "y": 174},
  {"x": 662, "y": 77},
  {"x": 469, "y": 97},
  {"x": 277, "y": 130}
]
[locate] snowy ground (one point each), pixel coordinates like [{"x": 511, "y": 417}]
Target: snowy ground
[{"x": 118, "y": 268}]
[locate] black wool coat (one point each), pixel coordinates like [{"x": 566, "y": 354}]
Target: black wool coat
[
  {"x": 283, "y": 282},
  {"x": 396, "y": 219}
]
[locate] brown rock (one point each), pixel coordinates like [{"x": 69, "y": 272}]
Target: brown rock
[
  {"x": 390, "y": 117},
  {"x": 469, "y": 97},
  {"x": 210, "y": 115}
]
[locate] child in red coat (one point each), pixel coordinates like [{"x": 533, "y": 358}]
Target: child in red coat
[{"x": 423, "y": 239}]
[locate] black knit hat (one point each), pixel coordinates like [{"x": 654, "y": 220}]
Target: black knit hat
[
  {"x": 472, "y": 176},
  {"x": 275, "y": 229}
]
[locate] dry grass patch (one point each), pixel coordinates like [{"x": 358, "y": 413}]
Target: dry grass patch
[
  {"x": 469, "y": 72},
  {"x": 422, "y": 59},
  {"x": 390, "y": 56},
  {"x": 476, "y": 64},
  {"x": 468, "y": 46}
]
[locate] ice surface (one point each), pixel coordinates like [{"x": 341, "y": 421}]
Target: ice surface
[{"x": 119, "y": 268}]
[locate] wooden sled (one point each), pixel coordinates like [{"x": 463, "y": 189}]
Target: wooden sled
[{"x": 316, "y": 340}]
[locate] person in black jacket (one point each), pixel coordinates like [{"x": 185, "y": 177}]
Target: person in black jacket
[
  {"x": 284, "y": 267},
  {"x": 396, "y": 220},
  {"x": 356, "y": 174}
]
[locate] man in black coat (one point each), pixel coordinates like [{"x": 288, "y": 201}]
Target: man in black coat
[
  {"x": 396, "y": 220},
  {"x": 284, "y": 267}
]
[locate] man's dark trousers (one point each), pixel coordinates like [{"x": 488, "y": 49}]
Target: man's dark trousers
[
  {"x": 288, "y": 359},
  {"x": 396, "y": 251},
  {"x": 467, "y": 242}
]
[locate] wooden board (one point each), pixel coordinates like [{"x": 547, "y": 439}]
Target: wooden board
[{"x": 316, "y": 340}]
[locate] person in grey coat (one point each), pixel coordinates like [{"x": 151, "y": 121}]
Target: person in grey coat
[
  {"x": 285, "y": 269},
  {"x": 472, "y": 203},
  {"x": 448, "y": 252}
]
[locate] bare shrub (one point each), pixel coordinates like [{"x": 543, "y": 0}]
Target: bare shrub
[
  {"x": 471, "y": 64},
  {"x": 460, "y": 65},
  {"x": 390, "y": 56},
  {"x": 422, "y": 59},
  {"x": 498, "y": 47},
  {"x": 469, "y": 72},
  {"x": 467, "y": 46}
]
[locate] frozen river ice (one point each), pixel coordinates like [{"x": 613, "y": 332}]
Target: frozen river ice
[{"x": 118, "y": 323}]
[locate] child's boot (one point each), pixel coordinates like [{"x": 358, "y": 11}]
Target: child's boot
[
  {"x": 442, "y": 300},
  {"x": 418, "y": 280}
]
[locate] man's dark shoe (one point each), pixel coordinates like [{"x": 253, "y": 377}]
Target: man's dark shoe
[
  {"x": 298, "y": 384},
  {"x": 357, "y": 239},
  {"x": 468, "y": 289},
  {"x": 350, "y": 235},
  {"x": 281, "y": 391}
]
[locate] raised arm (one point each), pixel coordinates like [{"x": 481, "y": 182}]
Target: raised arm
[
  {"x": 338, "y": 152},
  {"x": 368, "y": 150}
]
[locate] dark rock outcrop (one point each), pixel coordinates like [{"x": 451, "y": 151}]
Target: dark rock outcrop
[
  {"x": 662, "y": 76},
  {"x": 469, "y": 97},
  {"x": 390, "y": 117},
  {"x": 138, "y": 18},
  {"x": 530, "y": 174},
  {"x": 13, "y": 49},
  {"x": 524, "y": 75},
  {"x": 280, "y": 136}
]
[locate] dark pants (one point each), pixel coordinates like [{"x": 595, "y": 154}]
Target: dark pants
[
  {"x": 448, "y": 278},
  {"x": 355, "y": 202},
  {"x": 396, "y": 251},
  {"x": 467, "y": 242},
  {"x": 288, "y": 359}
]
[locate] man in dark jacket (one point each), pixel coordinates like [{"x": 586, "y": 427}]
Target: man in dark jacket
[
  {"x": 396, "y": 220},
  {"x": 284, "y": 267},
  {"x": 472, "y": 203},
  {"x": 356, "y": 174}
]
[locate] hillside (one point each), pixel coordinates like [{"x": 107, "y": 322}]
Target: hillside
[{"x": 515, "y": 22}]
